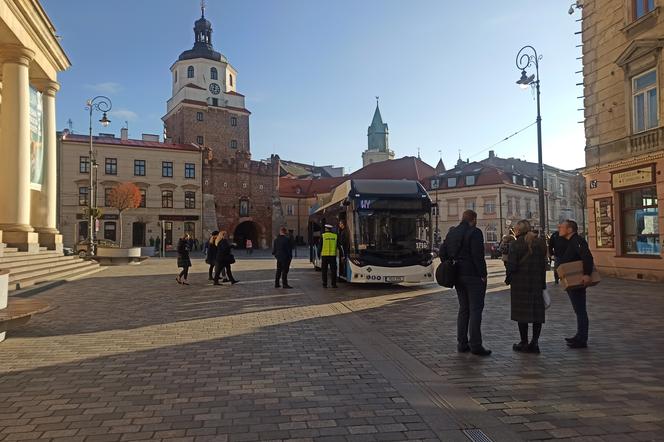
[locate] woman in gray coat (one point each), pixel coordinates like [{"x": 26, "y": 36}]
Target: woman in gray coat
[{"x": 526, "y": 274}]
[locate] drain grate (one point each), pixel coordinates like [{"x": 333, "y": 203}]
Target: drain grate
[{"x": 477, "y": 435}]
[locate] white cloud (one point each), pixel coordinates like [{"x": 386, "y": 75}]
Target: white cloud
[
  {"x": 124, "y": 115},
  {"x": 108, "y": 87}
]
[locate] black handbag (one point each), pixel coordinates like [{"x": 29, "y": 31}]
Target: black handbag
[
  {"x": 446, "y": 273},
  {"x": 231, "y": 259}
]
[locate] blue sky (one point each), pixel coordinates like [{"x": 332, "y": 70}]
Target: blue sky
[{"x": 310, "y": 70}]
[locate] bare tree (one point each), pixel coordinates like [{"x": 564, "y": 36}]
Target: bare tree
[
  {"x": 124, "y": 196},
  {"x": 581, "y": 198}
]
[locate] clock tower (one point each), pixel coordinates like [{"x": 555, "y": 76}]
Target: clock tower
[{"x": 206, "y": 109}]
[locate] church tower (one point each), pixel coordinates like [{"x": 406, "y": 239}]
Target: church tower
[
  {"x": 206, "y": 109},
  {"x": 378, "y": 142}
]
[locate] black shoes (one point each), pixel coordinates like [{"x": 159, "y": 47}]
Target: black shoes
[
  {"x": 277, "y": 286},
  {"x": 524, "y": 347},
  {"x": 463, "y": 348},
  {"x": 568, "y": 340},
  {"x": 224, "y": 280},
  {"x": 286, "y": 286},
  {"x": 481, "y": 351},
  {"x": 334, "y": 286},
  {"x": 235, "y": 281},
  {"x": 533, "y": 348},
  {"x": 577, "y": 344},
  {"x": 520, "y": 346}
]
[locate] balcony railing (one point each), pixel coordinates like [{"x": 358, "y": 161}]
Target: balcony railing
[{"x": 646, "y": 141}]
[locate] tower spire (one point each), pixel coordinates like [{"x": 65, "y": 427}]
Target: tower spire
[{"x": 203, "y": 4}]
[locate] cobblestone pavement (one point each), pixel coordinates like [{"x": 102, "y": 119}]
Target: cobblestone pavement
[{"x": 130, "y": 355}]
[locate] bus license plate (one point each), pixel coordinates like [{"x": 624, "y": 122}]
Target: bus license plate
[{"x": 394, "y": 279}]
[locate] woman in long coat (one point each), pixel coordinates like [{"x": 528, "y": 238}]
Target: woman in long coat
[
  {"x": 184, "y": 246},
  {"x": 211, "y": 253},
  {"x": 526, "y": 274},
  {"x": 224, "y": 258}
]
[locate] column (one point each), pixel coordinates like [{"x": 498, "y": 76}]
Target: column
[
  {"x": 15, "y": 149},
  {"x": 43, "y": 210}
]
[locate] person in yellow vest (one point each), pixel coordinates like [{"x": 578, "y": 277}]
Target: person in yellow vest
[{"x": 328, "y": 255}]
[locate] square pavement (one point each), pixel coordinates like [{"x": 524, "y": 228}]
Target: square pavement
[{"x": 130, "y": 355}]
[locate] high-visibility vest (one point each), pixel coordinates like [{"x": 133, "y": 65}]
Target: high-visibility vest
[{"x": 329, "y": 244}]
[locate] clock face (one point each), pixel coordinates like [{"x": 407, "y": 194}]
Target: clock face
[{"x": 214, "y": 88}]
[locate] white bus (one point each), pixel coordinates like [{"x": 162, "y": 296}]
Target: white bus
[{"x": 389, "y": 231}]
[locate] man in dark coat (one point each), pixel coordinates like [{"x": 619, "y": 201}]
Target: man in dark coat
[
  {"x": 557, "y": 247},
  {"x": 465, "y": 244},
  {"x": 577, "y": 250},
  {"x": 211, "y": 253},
  {"x": 282, "y": 249},
  {"x": 224, "y": 258}
]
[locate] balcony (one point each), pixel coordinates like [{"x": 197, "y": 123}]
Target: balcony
[{"x": 644, "y": 142}]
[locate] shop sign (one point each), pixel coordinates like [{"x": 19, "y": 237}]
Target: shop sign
[
  {"x": 604, "y": 223},
  {"x": 633, "y": 177},
  {"x": 178, "y": 218}
]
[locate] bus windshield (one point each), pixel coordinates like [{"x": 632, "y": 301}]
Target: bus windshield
[{"x": 391, "y": 234}]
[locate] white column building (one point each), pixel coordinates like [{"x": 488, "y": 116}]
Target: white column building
[{"x": 30, "y": 59}]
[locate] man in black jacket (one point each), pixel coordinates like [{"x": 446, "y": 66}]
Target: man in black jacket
[
  {"x": 577, "y": 250},
  {"x": 465, "y": 243},
  {"x": 282, "y": 249},
  {"x": 557, "y": 247}
]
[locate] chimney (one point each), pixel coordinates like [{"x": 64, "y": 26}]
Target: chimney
[
  {"x": 492, "y": 154},
  {"x": 124, "y": 133}
]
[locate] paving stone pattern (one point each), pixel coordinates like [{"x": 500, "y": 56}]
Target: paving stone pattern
[{"x": 130, "y": 355}]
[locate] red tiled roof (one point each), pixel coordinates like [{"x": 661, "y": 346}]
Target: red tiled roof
[
  {"x": 84, "y": 139},
  {"x": 406, "y": 168},
  {"x": 308, "y": 187}
]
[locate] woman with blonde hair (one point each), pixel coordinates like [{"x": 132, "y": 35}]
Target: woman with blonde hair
[{"x": 526, "y": 274}]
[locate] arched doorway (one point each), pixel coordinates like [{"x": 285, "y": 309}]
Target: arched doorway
[{"x": 246, "y": 230}]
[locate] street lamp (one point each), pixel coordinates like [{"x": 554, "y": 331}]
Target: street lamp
[
  {"x": 100, "y": 104},
  {"x": 526, "y": 57}
]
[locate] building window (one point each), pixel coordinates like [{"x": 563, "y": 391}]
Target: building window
[
  {"x": 189, "y": 170},
  {"x": 453, "y": 208},
  {"x": 190, "y": 200},
  {"x": 244, "y": 185},
  {"x": 233, "y": 121},
  {"x": 529, "y": 213},
  {"x": 233, "y": 144},
  {"x": 434, "y": 210},
  {"x": 230, "y": 79},
  {"x": 107, "y": 196},
  {"x": 640, "y": 222},
  {"x": 470, "y": 204},
  {"x": 244, "y": 208},
  {"x": 644, "y": 102},
  {"x": 83, "y": 194},
  {"x": 510, "y": 207},
  {"x": 642, "y": 7},
  {"x": 290, "y": 209},
  {"x": 111, "y": 166},
  {"x": 435, "y": 184},
  {"x": 491, "y": 235},
  {"x": 470, "y": 180},
  {"x": 199, "y": 116},
  {"x": 167, "y": 169},
  {"x": 525, "y": 181},
  {"x": 144, "y": 197},
  {"x": 190, "y": 228},
  {"x": 84, "y": 164},
  {"x": 489, "y": 206},
  {"x": 451, "y": 182},
  {"x": 167, "y": 199},
  {"x": 190, "y": 72},
  {"x": 175, "y": 76},
  {"x": 199, "y": 140},
  {"x": 215, "y": 102},
  {"x": 109, "y": 230},
  {"x": 213, "y": 74},
  {"x": 514, "y": 178},
  {"x": 517, "y": 206},
  {"x": 139, "y": 167},
  {"x": 561, "y": 189}
]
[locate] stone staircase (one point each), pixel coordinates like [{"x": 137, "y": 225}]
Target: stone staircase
[{"x": 27, "y": 270}]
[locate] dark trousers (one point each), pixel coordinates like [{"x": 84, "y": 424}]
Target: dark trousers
[
  {"x": 331, "y": 262},
  {"x": 184, "y": 274},
  {"x": 283, "y": 265},
  {"x": 210, "y": 271},
  {"x": 470, "y": 291},
  {"x": 219, "y": 267},
  {"x": 578, "y": 299}
]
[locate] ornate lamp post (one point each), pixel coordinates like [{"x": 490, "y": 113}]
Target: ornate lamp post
[
  {"x": 525, "y": 58},
  {"x": 100, "y": 104}
]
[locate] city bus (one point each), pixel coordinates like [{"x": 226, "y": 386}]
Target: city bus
[{"x": 389, "y": 231}]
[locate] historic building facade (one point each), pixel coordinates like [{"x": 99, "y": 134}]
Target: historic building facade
[
  {"x": 30, "y": 59},
  {"x": 623, "y": 79},
  {"x": 378, "y": 141},
  {"x": 168, "y": 176},
  {"x": 239, "y": 194}
]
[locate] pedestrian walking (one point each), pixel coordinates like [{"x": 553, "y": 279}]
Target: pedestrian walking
[
  {"x": 465, "y": 244},
  {"x": 557, "y": 247},
  {"x": 577, "y": 250},
  {"x": 224, "y": 259},
  {"x": 183, "y": 249},
  {"x": 211, "y": 253},
  {"x": 344, "y": 247},
  {"x": 249, "y": 245},
  {"x": 526, "y": 275},
  {"x": 328, "y": 255},
  {"x": 282, "y": 249}
]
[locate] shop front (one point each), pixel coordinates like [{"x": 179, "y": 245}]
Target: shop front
[{"x": 625, "y": 220}]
